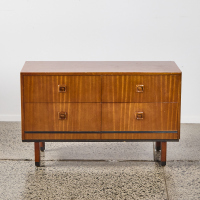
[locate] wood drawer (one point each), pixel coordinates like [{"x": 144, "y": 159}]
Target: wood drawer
[
  {"x": 156, "y": 117},
  {"x": 80, "y": 117},
  {"x": 164, "y": 88},
  {"x": 78, "y": 89}
]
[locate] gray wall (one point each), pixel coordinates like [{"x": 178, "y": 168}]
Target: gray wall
[{"x": 99, "y": 30}]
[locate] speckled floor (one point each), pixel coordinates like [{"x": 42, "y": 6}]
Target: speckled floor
[{"x": 99, "y": 170}]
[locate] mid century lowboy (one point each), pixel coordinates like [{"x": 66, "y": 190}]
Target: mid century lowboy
[{"x": 100, "y": 101}]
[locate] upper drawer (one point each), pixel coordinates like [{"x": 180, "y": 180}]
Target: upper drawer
[
  {"x": 62, "y": 88},
  {"x": 161, "y": 88}
]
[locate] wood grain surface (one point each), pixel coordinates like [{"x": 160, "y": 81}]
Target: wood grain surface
[
  {"x": 139, "y": 136},
  {"x": 99, "y": 67},
  {"x": 80, "y": 117},
  {"x": 156, "y": 88},
  {"x": 78, "y": 89},
  {"x": 122, "y": 117},
  {"x": 100, "y": 96},
  {"x": 37, "y": 151},
  {"x": 100, "y": 136},
  {"x": 62, "y": 136},
  {"x": 22, "y": 105},
  {"x": 163, "y": 151}
]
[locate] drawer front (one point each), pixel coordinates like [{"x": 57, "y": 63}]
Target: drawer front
[
  {"x": 139, "y": 117},
  {"x": 62, "y": 89},
  {"x": 62, "y": 117},
  {"x": 62, "y": 137},
  {"x": 164, "y": 88}
]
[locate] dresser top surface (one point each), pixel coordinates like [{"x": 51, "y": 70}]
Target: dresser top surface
[{"x": 100, "y": 67}]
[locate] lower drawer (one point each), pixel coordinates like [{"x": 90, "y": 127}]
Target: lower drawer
[
  {"x": 139, "y": 117},
  {"x": 48, "y": 117}
]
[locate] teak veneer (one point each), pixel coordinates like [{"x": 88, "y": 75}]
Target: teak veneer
[{"x": 100, "y": 101}]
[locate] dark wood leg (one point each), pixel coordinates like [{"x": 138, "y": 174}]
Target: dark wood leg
[
  {"x": 158, "y": 146},
  {"x": 37, "y": 154},
  {"x": 42, "y": 146},
  {"x": 163, "y": 153}
]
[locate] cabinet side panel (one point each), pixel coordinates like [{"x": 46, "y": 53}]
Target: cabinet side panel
[
  {"x": 179, "y": 104},
  {"x": 22, "y": 104}
]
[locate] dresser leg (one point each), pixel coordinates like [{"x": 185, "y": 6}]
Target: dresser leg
[
  {"x": 158, "y": 146},
  {"x": 42, "y": 146},
  {"x": 163, "y": 153},
  {"x": 37, "y": 154}
]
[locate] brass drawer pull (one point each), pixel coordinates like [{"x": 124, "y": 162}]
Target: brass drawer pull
[
  {"x": 139, "y": 88},
  {"x": 139, "y": 115},
  {"x": 62, "y": 88},
  {"x": 62, "y": 115}
]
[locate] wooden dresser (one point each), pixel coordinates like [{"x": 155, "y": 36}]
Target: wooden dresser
[{"x": 100, "y": 101}]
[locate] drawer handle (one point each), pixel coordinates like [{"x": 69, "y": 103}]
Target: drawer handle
[
  {"x": 139, "y": 88},
  {"x": 62, "y": 115},
  {"x": 61, "y": 88},
  {"x": 139, "y": 115}
]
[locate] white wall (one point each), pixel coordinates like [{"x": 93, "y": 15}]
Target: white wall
[{"x": 99, "y": 30}]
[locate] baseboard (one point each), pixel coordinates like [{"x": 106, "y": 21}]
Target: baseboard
[
  {"x": 184, "y": 119},
  {"x": 190, "y": 119},
  {"x": 10, "y": 117}
]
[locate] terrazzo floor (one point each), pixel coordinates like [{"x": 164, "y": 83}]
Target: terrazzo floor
[{"x": 99, "y": 170}]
